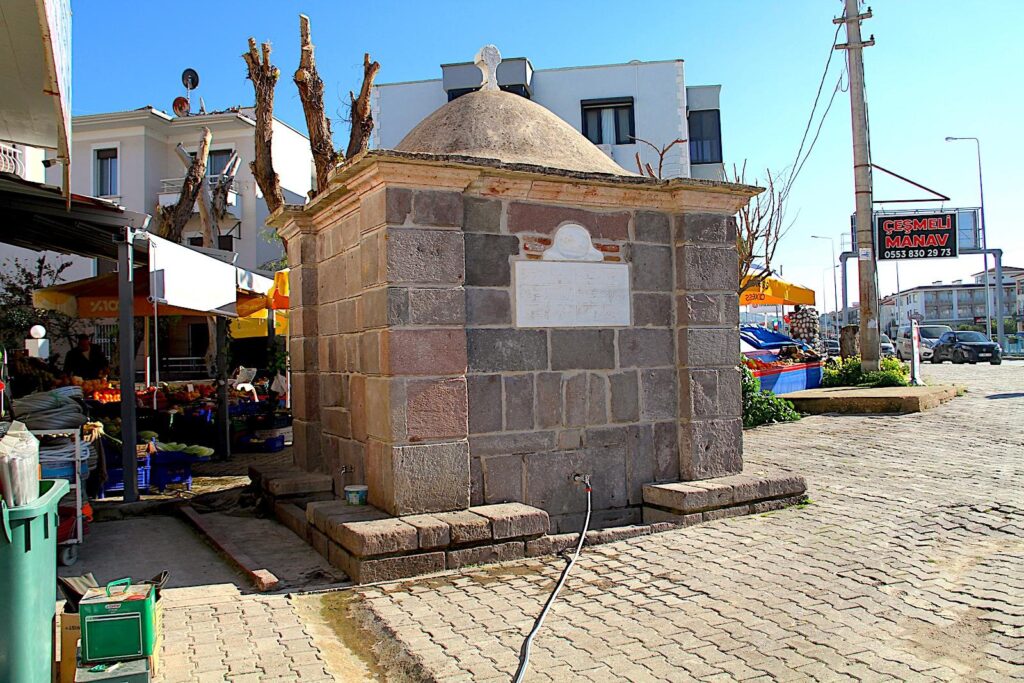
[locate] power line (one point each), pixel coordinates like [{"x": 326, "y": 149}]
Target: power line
[
  {"x": 817, "y": 98},
  {"x": 821, "y": 123}
]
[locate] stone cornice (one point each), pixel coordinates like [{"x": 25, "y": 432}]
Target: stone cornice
[{"x": 376, "y": 168}]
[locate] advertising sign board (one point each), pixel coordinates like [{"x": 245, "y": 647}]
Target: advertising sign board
[{"x": 915, "y": 236}]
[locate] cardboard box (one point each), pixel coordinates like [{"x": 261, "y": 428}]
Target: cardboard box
[{"x": 70, "y": 633}]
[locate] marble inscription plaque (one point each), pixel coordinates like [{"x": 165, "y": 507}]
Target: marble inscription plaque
[{"x": 571, "y": 294}]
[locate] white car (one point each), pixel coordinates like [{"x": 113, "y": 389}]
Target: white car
[{"x": 929, "y": 337}]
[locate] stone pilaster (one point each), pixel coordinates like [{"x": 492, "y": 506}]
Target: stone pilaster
[
  {"x": 707, "y": 329},
  {"x": 301, "y": 251},
  {"x": 413, "y": 351}
]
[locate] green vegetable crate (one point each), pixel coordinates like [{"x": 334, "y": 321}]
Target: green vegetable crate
[{"x": 118, "y": 622}]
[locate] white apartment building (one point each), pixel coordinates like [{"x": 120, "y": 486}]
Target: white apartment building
[
  {"x": 613, "y": 105},
  {"x": 956, "y": 303},
  {"x": 129, "y": 157}
]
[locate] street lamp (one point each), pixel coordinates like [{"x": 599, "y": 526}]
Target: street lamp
[
  {"x": 835, "y": 294},
  {"x": 984, "y": 242}
]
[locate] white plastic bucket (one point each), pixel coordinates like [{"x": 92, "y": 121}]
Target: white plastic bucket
[{"x": 356, "y": 494}]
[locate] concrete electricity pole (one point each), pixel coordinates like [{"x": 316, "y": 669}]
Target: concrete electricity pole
[{"x": 862, "y": 185}]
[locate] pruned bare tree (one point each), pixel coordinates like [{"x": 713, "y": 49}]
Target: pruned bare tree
[
  {"x": 311, "y": 93},
  {"x": 362, "y": 115},
  {"x": 264, "y": 77},
  {"x": 662, "y": 152},
  {"x": 760, "y": 226},
  {"x": 172, "y": 219}
]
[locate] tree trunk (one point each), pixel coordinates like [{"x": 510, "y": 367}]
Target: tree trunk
[
  {"x": 362, "y": 116},
  {"x": 311, "y": 92},
  {"x": 264, "y": 76},
  {"x": 225, "y": 180},
  {"x": 174, "y": 218}
]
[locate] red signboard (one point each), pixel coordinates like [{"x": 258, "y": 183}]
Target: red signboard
[{"x": 909, "y": 236}]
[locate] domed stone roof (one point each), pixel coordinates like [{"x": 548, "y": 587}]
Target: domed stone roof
[{"x": 493, "y": 124}]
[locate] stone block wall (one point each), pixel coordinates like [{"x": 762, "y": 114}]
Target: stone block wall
[
  {"x": 547, "y": 403},
  {"x": 410, "y": 376}
]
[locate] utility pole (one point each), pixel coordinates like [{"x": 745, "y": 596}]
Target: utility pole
[{"x": 862, "y": 185}]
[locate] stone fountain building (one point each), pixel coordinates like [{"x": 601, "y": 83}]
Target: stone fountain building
[{"x": 492, "y": 308}]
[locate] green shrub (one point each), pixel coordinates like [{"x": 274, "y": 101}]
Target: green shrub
[
  {"x": 763, "y": 407},
  {"x": 847, "y": 372}
]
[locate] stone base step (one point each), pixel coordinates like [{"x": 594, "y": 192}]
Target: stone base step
[
  {"x": 691, "y": 502},
  {"x": 286, "y": 481}
]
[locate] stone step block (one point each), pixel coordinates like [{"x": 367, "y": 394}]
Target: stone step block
[
  {"x": 325, "y": 514},
  {"x": 297, "y": 483},
  {"x": 684, "y": 498},
  {"x": 361, "y": 570},
  {"x": 376, "y": 537},
  {"x": 485, "y": 554},
  {"x": 432, "y": 532},
  {"x": 293, "y": 517},
  {"x": 466, "y": 527},
  {"x": 514, "y": 520}
]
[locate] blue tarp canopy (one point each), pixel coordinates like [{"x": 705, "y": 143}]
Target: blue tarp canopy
[{"x": 762, "y": 338}]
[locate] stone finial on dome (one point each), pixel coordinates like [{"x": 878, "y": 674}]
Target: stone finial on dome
[{"x": 487, "y": 60}]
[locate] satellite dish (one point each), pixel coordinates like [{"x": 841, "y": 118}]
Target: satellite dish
[
  {"x": 181, "y": 106},
  {"x": 190, "y": 79}
]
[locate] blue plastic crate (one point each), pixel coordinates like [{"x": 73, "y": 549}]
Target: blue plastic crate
[
  {"x": 115, "y": 479},
  {"x": 171, "y": 467}
]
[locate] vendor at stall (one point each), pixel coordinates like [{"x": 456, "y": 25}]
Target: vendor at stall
[{"x": 85, "y": 360}]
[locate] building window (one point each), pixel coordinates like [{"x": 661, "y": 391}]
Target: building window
[
  {"x": 705, "y": 137},
  {"x": 609, "y": 121},
  {"x": 224, "y": 242},
  {"x": 217, "y": 160},
  {"x": 106, "y": 172}
]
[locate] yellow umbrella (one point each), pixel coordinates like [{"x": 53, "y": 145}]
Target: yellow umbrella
[
  {"x": 774, "y": 292},
  {"x": 255, "y": 325},
  {"x": 276, "y": 298}
]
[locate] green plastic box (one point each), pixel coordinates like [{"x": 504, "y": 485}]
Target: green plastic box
[{"x": 118, "y": 625}]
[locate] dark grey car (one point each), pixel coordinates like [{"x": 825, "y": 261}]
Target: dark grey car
[{"x": 966, "y": 347}]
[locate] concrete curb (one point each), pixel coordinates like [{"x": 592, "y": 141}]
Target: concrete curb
[{"x": 262, "y": 579}]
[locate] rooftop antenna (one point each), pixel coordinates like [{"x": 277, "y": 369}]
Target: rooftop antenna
[{"x": 183, "y": 105}]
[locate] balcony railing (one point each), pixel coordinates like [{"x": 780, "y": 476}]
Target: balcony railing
[
  {"x": 11, "y": 161},
  {"x": 168, "y": 185},
  {"x": 170, "y": 190}
]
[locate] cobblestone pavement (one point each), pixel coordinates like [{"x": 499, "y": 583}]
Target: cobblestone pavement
[
  {"x": 908, "y": 565},
  {"x": 214, "y": 633}
]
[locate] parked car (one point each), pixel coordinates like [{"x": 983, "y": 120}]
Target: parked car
[
  {"x": 930, "y": 335},
  {"x": 885, "y": 346},
  {"x": 966, "y": 347},
  {"x": 831, "y": 347}
]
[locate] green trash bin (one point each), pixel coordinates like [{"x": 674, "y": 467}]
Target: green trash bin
[{"x": 28, "y": 585}]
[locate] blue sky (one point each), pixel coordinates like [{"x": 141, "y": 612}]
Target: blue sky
[{"x": 940, "y": 67}]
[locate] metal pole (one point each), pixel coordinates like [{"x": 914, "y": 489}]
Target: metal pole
[
  {"x": 862, "y": 186},
  {"x": 846, "y": 299},
  {"x": 835, "y": 287},
  {"x": 984, "y": 242},
  {"x": 1001, "y": 333},
  {"x": 126, "y": 349},
  {"x": 223, "y": 421},
  {"x": 899, "y": 300},
  {"x": 983, "y": 229}
]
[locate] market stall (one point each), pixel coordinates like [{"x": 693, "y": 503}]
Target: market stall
[{"x": 781, "y": 363}]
